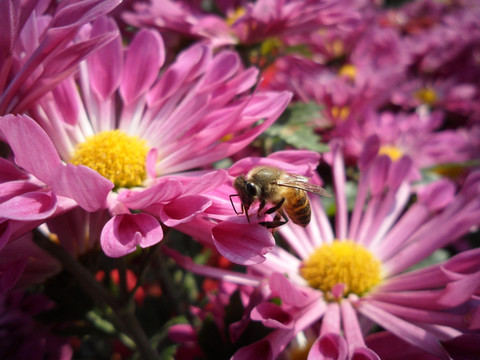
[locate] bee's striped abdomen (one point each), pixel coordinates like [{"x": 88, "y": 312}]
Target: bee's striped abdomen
[{"x": 297, "y": 206}]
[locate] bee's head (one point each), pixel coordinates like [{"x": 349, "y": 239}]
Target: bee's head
[{"x": 247, "y": 191}]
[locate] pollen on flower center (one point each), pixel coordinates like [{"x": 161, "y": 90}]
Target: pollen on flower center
[
  {"x": 426, "y": 95},
  {"x": 342, "y": 262},
  {"x": 393, "y": 152},
  {"x": 115, "y": 155}
]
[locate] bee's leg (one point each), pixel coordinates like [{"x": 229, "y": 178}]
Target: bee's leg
[
  {"x": 278, "y": 216},
  {"x": 276, "y": 207},
  {"x": 276, "y": 220},
  {"x": 262, "y": 205}
]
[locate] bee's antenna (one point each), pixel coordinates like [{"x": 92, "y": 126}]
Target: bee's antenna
[{"x": 233, "y": 205}]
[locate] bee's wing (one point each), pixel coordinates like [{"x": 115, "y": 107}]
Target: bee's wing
[{"x": 301, "y": 182}]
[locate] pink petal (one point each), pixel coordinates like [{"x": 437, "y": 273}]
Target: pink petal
[
  {"x": 75, "y": 13},
  {"x": 378, "y": 174},
  {"x": 33, "y": 149},
  {"x": 183, "y": 209},
  {"x": 29, "y": 206},
  {"x": 67, "y": 101},
  {"x": 122, "y": 233},
  {"x": 369, "y": 152},
  {"x": 329, "y": 346},
  {"x": 301, "y": 162},
  {"x": 260, "y": 350},
  {"x": 11, "y": 189},
  {"x": 364, "y": 354},
  {"x": 204, "y": 183},
  {"x": 82, "y": 184},
  {"x": 181, "y": 333},
  {"x": 9, "y": 172},
  {"x": 437, "y": 195},
  {"x": 165, "y": 190},
  {"x": 388, "y": 346},
  {"x": 189, "y": 63},
  {"x": 242, "y": 243},
  {"x": 144, "y": 58},
  {"x": 11, "y": 274},
  {"x": 105, "y": 65},
  {"x": 222, "y": 68},
  {"x": 285, "y": 290},
  {"x": 272, "y": 315},
  {"x": 404, "y": 330},
  {"x": 399, "y": 171}
]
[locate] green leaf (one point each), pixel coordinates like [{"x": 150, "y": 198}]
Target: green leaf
[{"x": 296, "y": 128}]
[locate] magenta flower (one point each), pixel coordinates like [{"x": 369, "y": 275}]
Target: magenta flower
[
  {"x": 113, "y": 136},
  {"x": 38, "y": 51},
  {"x": 417, "y": 135},
  {"x": 341, "y": 280}
]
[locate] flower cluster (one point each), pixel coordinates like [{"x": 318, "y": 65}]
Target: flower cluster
[{"x": 162, "y": 163}]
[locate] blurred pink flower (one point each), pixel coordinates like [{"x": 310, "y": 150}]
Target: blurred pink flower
[
  {"x": 417, "y": 135},
  {"x": 114, "y": 136},
  {"x": 242, "y": 22},
  {"x": 38, "y": 50},
  {"x": 344, "y": 280}
]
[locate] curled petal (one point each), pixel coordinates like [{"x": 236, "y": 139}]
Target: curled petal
[
  {"x": 165, "y": 190},
  {"x": 183, "y": 209},
  {"x": 241, "y": 243},
  {"x": 35, "y": 205},
  {"x": 284, "y": 289},
  {"x": 329, "y": 346},
  {"x": 122, "y": 233},
  {"x": 364, "y": 353},
  {"x": 272, "y": 315},
  {"x": 260, "y": 350}
]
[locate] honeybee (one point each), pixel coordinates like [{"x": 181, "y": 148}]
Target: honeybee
[{"x": 286, "y": 191}]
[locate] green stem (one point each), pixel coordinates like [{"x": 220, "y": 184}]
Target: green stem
[{"x": 125, "y": 316}]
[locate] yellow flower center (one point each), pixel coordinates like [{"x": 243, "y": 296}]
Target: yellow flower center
[
  {"x": 426, "y": 95},
  {"x": 342, "y": 262},
  {"x": 349, "y": 71},
  {"x": 115, "y": 155},
  {"x": 340, "y": 112},
  {"x": 391, "y": 151},
  {"x": 237, "y": 14}
]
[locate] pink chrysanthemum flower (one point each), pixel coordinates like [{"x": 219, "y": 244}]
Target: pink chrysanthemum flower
[
  {"x": 36, "y": 48},
  {"x": 110, "y": 137},
  {"x": 416, "y": 135},
  {"x": 338, "y": 282},
  {"x": 251, "y": 23}
]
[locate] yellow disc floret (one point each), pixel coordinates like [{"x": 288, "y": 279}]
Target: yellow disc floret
[
  {"x": 426, "y": 95},
  {"x": 393, "y": 152},
  {"x": 349, "y": 71},
  {"x": 342, "y": 262},
  {"x": 115, "y": 155}
]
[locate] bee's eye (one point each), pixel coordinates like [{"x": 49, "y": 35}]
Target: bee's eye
[{"x": 251, "y": 189}]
